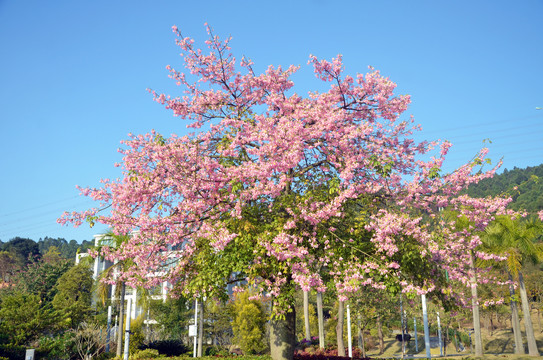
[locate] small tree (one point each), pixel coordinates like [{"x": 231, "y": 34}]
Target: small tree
[
  {"x": 249, "y": 324},
  {"x": 73, "y": 299},
  {"x": 89, "y": 340},
  {"x": 517, "y": 240},
  {"x": 172, "y": 316},
  {"x": 8, "y": 265},
  {"x": 219, "y": 322}
]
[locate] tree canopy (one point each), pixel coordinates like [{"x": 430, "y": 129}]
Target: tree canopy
[{"x": 282, "y": 190}]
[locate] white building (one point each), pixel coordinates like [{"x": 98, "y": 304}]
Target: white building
[{"x": 100, "y": 265}]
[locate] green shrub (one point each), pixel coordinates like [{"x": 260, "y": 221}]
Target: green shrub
[
  {"x": 144, "y": 354},
  {"x": 136, "y": 335},
  {"x": 61, "y": 347},
  {"x": 249, "y": 324},
  {"x": 216, "y": 351},
  {"x": 168, "y": 347},
  {"x": 12, "y": 352},
  {"x": 104, "y": 356}
]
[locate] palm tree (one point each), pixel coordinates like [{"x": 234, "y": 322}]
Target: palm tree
[
  {"x": 516, "y": 239},
  {"x": 103, "y": 288},
  {"x": 475, "y": 308}
]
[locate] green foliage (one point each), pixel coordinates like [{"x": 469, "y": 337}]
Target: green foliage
[
  {"x": 248, "y": 325},
  {"x": 144, "y": 354},
  {"x": 216, "y": 351},
  {"x": 52, "y": 256},
  {"x": 66, "y": 249},
  {"x": 8, "y": 265},
  {"x": 73, "y": 299},
  {"x": 168, "y": 347},
  {"x": 218, "y": 322},
  {"x": 12, "y": 352},
  {"x": 25, "y": 250},
  {"x": 59, "y": 347},
  {"x": 516, "y": 239},
  {"x": 523, "y": 185},
  {"x": 39, "y": 278},
  {"x": 136, "y": 334},
  {"x": 22, "y": 318},
  {"x": 173, "y": 315}
]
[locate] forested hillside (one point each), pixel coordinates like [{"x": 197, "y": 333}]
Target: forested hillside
[
  {"x": 525, "y": 186},
  {"x": 23, "y": 248}
]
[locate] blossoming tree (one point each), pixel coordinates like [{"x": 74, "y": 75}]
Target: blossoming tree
[{"x": 277, "y": 189}]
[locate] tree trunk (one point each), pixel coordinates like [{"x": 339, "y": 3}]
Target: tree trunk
[
  {"x": 283, "y": 336},
  {"x": 491, "y": 324},
  {"x": 306, "y": 316},
  {"x": 532, "y": 346},
  {"x": 446, "y": 338},
  {"x": 339, "y": 329},
  {"x": 515, "y": 321},
  {"x": 200, "y": 329},
  {"x": 539, "y": 318},
  {"x": 475, "y": 308},
  {"x": 121, "y": 319},
  {"x": 321, "y": 320},
  {"x": 361, "y": 343},
  {"x": 380, "y": 335}
]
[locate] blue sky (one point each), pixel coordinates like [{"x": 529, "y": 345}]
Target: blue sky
[{"x": 74, "y": 74}]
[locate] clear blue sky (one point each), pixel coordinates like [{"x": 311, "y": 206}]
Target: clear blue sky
[{"x": 74, "y": 74}]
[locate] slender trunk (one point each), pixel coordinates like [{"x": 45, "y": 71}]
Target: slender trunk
[
  {"x": 539, "y": 317},
  {"x": 515, "y": 321},
  {"x": 361, "y": 343},
  {"x": 380, "y": 335},
  {"x": 532, "y": 346},
  {"x": 120, "y": 331},
  {"x": 491, "y": 324},
  {"x": 201, "y": 328},
  {"x": 283, "y": 336},
  {"x": 339, "y": 329},
  {"x": 445, "y": 339},
  {"x": 321, "y": 320},
  {"x": 475, "y": 308},
  {"x": 306, "y": 316}
]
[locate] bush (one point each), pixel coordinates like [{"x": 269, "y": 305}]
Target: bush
[
  {"x": 104, "y": 356},
  {"x": 216, "y": 351},
  {"x": 249, "y": 324},
  {"x": 136, "y": 334},
  {"x": 168, "y": 347},
  {"x": 145, "y": 354},
  {"x": 13, "y": 352},
  {"x": 61, "y": 347}
]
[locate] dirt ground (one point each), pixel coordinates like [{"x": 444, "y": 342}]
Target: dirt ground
[{"x": 498, "y": 346}]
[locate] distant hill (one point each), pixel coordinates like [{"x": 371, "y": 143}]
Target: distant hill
[
  {"x": 525, "y": 186},
  {"x": 24, "y": 247},
  {"x": 67, "y": 250}
]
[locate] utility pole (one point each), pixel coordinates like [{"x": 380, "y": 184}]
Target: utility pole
[{"x": 127, "y": 332}]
